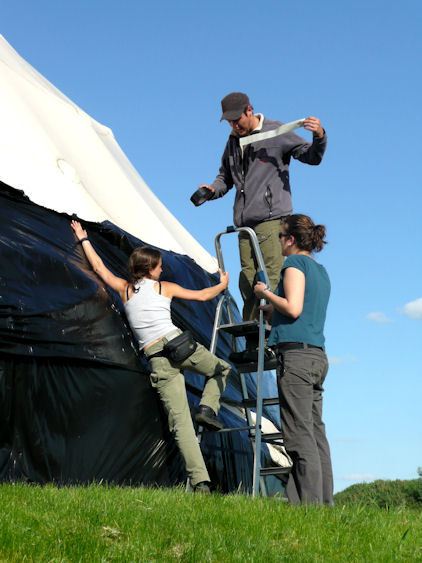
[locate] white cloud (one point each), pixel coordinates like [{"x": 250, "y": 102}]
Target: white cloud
[
  {"x": 413, "y": 309},
  {"x": 335, "y": 361},
  {"x": 378, "y": 317},
  {"x": 359, "y": 477}
]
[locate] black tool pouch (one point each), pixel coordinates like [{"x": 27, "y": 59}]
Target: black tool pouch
[
  {"x": 201, "y": 196},
  {"x": 180, "y": 348}
]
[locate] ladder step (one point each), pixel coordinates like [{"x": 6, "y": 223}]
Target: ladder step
[
  {"x": 271, "y": 436},
  {"x": 274, "y": 471},
  {"x": 270, "y": 401},
  {"x": 253, "y": 366},
  {"x": 264, "y": 437},
  {"x": 250, "y": 403},
  {"x": 243, "y": 329},
  {"x": 236, "y": 429}
]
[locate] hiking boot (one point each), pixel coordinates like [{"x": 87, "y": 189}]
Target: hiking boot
[
  {"x": 203, "y": 487},
  {"x": 206, "y": 417}
]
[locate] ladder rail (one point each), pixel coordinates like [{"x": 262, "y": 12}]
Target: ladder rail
[
  {"x": 258, "y": 420},
  {"x": 255, "y": 243},
  {"x": 213, "y": 347},
  {"x": 217, "y": 319}
]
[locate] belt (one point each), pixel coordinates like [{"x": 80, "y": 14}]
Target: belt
[
  {"x": 283, "y": 346},
  {"x": 167, "y": 337},
  {"x": 156, "y": 355}
]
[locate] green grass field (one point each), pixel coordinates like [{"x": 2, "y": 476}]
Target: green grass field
[{"x": 99, "y": 523}]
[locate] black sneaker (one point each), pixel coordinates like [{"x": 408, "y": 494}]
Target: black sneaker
[
  {"x": 251, "y": 356},
  {"x": 238, "y": 357},
  {"x": 206, "y": 417},
  {"x": 203, "y": 487}
]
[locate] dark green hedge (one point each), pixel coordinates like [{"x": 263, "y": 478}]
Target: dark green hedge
[{"x": 385, "y": 494}]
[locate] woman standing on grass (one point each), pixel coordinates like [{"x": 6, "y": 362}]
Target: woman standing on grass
[
  {"x": 297, "y": 334},
  {"x": 147, "y": 305}
]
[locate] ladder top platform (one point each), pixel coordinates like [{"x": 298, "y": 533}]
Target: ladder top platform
[{"x": 243, "y": 329}]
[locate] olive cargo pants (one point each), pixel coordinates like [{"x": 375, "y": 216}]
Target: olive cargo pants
[
  {"x": 169, "y": 381},
  {"x": 269, "y": 242}
]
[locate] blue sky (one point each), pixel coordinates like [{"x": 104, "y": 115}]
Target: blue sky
[{"x": 156, "y": 72}]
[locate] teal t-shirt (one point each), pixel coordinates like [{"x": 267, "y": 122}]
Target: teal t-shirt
[{"x": 309, "y": 326}]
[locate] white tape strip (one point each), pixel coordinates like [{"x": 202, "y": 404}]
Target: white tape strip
[{"x": 286, "y": 128}]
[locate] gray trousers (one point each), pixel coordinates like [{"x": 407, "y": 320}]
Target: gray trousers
[
  {"x": 300, "y": 376},
  {"x": 169, "y": 381}
]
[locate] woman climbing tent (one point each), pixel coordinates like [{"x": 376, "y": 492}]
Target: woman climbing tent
[{"x": 168, "y": 350}]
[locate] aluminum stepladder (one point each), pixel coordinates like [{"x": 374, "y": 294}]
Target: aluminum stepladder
[{"x": 241, "y": 329}]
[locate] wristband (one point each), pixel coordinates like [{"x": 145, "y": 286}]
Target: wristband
[
  {"x": 266, "y": 289},
  {"x": 82, "y": 240}
]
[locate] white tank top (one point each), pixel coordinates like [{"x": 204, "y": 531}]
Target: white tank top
[{"x": 148, "y": 313}]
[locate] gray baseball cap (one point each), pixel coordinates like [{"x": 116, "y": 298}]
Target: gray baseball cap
[{"x": 233, "y": 105}]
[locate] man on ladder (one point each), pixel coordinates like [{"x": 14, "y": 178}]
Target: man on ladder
[{"x": 259, "y": 169}]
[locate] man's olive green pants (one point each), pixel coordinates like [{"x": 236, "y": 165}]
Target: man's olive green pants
[
  {"x": 269, "y": 242},
  {"x": 168, "y": 379}
]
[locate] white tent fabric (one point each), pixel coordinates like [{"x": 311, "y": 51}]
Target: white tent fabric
[
  {"x": 276, "y": 449},
  {"x": 66, "y": 161}
]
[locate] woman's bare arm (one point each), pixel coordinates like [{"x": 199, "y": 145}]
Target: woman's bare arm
[
  {"x": 118, "y": 284},
  {"x": 294, "y": 290},
  {"x": 171, "y": 290}
]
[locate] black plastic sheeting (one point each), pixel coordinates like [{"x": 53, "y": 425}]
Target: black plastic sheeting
[{"x": 76, "y": 405}]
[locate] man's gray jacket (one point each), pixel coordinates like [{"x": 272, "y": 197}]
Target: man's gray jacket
[{"x": 261, "y": 174}]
